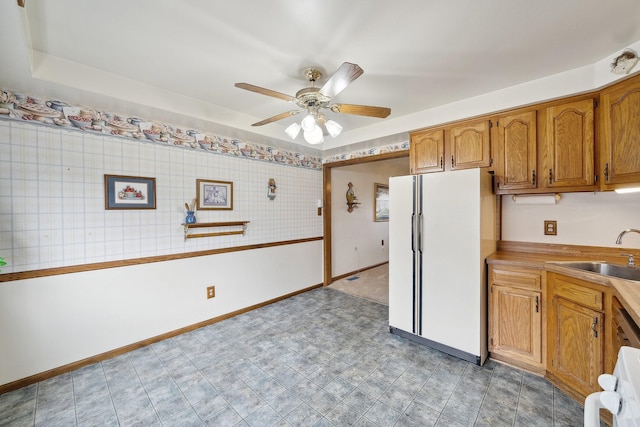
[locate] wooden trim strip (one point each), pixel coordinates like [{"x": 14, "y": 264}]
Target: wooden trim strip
[
  {"x": 216, "y": 234},
  {"x": 567, "y": 250},
  {"x": 128, "y": 348},
  {"x": 368, "y": 159},
  {"x": 8, "y": 277},
  {"x": 351, "y": 273}
]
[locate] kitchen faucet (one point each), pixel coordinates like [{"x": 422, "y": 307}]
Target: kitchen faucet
[
  {"x": 628, "y": 230},
  {"x": 631, "y": 260}
]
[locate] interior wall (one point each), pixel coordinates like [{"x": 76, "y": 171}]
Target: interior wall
[
  {"x": 52, "y": 203},
  {"x": 589, "y": 219},
  {"x": 358, "y": 228},
  {"x": 52, "y": 214},
  {"x": 53, "y": 321}
]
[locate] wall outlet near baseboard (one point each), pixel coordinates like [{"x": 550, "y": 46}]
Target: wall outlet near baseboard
[{"x": 211, "y": 292}]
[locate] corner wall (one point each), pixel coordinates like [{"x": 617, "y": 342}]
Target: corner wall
[{"x": 358, "y": 228}]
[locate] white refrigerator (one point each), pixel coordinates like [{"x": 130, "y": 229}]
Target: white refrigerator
[{"x": 442, "y": 226}]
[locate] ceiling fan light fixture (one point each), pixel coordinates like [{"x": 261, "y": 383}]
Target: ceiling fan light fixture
[
  {"x": 314, "y": 136},
  {"x": 333, "y": 128},
  {"x": 308, "y": 123},
  {"x": 293, "y": 130}
]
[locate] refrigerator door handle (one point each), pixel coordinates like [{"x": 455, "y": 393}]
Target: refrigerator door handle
[
  {"x": 419, "y": 227},
  {"x": 413, "y": 232}
]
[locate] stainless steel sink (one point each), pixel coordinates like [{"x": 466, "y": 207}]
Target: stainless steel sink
[{"x": 606, "y": 269}]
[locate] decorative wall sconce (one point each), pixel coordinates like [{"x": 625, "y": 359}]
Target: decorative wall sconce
[
  {"x": 351, "y": 199},
  {"x": 271, "y": 191},
  {"x": 623, "y": 63}
]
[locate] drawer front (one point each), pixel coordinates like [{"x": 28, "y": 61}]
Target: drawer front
[
  {"x": 582, "y": 295},
  {"x": 528, "y": 279}
]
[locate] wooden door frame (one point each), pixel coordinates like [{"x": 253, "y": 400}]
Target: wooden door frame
[{"x": 326, "y": 202}]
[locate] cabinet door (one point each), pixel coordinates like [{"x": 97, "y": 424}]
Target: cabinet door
[
  {"x": 621, "y": 133},
  {"x": 469, "y": 145},
  {"x": 568, "y": 146},
  {"x": 515, "y": 152},
  {"x": 427, "y": 151},
  {"x": 577, "y": 345},
  {"x": 515, "y": 324}
]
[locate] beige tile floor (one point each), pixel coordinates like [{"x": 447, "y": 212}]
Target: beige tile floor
[{"x": 371, "y": 284}]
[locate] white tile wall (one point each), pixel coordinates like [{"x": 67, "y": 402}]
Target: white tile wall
[{"x": 52, "y": 198}]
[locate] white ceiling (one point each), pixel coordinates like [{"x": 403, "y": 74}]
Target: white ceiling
[{"x": 180, "y": 59}]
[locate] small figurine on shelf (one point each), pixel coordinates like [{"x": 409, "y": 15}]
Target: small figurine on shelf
[
  {"x": 191, "y": 215},
  {"x": 351, "y": 199},
  {"x": 271, "y": 191}
]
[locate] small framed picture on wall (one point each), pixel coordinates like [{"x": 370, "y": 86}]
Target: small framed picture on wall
[
  {"x": 129, "y": 192},
  {"x": 214, "y": 195},
  {"x": 381, "y": 202}
]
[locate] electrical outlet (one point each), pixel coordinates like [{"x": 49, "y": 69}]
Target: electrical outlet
[
  {"x": 551, "y": 228},
  {"x": 211, "y": 292}
]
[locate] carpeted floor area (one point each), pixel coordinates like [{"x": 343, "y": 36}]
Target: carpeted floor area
[{"x": 371, "y": 284}]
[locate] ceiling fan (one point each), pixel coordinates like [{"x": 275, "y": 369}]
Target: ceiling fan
[{"x": 313, "y": 100}]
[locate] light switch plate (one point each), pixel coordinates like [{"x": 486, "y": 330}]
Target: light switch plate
[{"x": 551, "y": 228}]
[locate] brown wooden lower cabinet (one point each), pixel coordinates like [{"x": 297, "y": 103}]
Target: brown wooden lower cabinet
[
  {"x": 516, "y": 317},
  {"x": 576, "y": 334}
]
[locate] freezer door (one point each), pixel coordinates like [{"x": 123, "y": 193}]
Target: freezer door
[
  {"x": 401, "y": 252},
  {"x": 451, "y": 273}
]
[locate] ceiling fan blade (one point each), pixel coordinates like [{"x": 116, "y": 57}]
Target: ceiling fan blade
[
  {"x": 276, "y": 118},
  {"x": 343, "y": 76},
  {"x": 361, "y": 110},
  {"x": 264, "y": 91}
]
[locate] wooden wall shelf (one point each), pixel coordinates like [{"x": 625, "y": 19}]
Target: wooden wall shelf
[{"x": 233, "y": 224}]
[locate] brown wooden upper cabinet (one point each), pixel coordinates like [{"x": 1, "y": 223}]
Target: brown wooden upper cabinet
[
  {"x": 427, "y": 151},
  {"x": 461, "y": 146},
  {"x": 548, "y": 149},
  {"x": 620, "y": 135},
  {"x": 469, "y": 145},
  {"x": 567, "y": 152},
  {"x": 515, "y": 152}
]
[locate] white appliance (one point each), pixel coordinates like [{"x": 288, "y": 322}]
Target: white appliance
[
  {"x": 441, "y": 229},
  {"x": 621, "y": 395}
]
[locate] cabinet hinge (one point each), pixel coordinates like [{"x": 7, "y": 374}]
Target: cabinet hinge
[
  {"x": 491, "y": 162},
  {"x": 491, "y": 341},
  {"x": 595, "y": 103},
  {"x": 595, "y": 178}
]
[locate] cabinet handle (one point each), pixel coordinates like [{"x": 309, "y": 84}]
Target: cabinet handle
[
  {"x": 533, "y": 178},
  {"x": 537, "y": 304},
  {"x": 593, "y": 327},
  {"x": 452, "y": 161},
  {"x": 440, "y": 162},
  {"x": 550, "y": 176},
  {"x": 606, "y": 171}
]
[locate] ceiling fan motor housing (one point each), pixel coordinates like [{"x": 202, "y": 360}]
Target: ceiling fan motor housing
[{"x": 310, "y": 97}]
